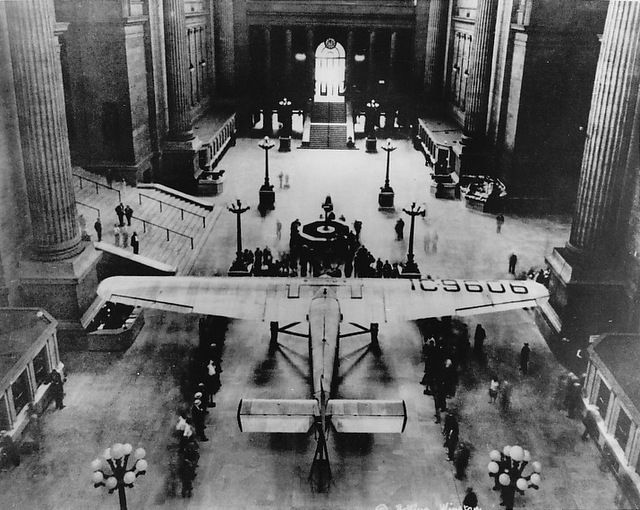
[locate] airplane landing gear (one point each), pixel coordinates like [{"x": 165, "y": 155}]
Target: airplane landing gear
[
  {"x": 273, "y": 341},
  {"x": 375, "y": 345},
  {"x": 320, "y": 472}
]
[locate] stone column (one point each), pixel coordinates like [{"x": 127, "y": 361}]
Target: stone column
[
  {"x": 477, "y": 95},
  {"x": 311, "y": 62},
  {"x": 43, "y": 129},
  {"x": 599, "y": 222},
  {"x": 435, "y": 48},
  {"x": 589, "y": 276},
  {"x": 178, "y": 79},
  {"x": 267, "y": 63},
  {"x": 288, "y": 61},
  {"x": 393, "y": 50},
  {"x": 371, "y": 72},
  {"x": 348, "y": 70}
]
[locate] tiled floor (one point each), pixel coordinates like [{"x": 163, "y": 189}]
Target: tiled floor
[{"x": 133, "y": 396}]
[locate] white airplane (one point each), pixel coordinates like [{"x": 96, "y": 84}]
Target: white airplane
[{"x": 325, "y": 304}]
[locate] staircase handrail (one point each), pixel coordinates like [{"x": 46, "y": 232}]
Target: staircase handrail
[
  {"x": 98, "y": 184},
  {"x": 89, "y": 206},
  {"x": 167, "y": 229},
  {"x": 182, "y": 210}
]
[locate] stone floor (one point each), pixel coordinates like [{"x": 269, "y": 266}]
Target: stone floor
[{"x": 133, "y": 396}]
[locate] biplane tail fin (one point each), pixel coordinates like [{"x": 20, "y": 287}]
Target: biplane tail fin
[
  {"x": 277, "y": 415},
  {"x": 368, "y": 416}
]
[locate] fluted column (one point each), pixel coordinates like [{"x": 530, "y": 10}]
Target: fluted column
[
  {"x": 311, "y": 61},
  {"x": 602, "y": 213},
  {"x": 371, "y": 74},
  {"x": 178, "y": 78},
  {"x": 348, "y": 70},
  {"x": 43, "y": 128},
  {"x": 477, "y": 93},
  {"x": 288, "y": 60},
  {"x": 267, "y": 61},
  {"x": 435, "y": 48},
  {"x": 393, "y": 55}
]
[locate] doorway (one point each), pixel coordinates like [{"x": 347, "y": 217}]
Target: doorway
[{"x": 330, "y": 71}]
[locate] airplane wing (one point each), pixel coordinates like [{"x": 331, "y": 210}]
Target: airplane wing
[{"x": 362, "y": 301}]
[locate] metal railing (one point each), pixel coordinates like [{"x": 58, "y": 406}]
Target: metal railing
[
  {"x": 147, "y": 222},
  {"x": 97, "y": 184},
  {"x": 89, "y": 206},
  {"x": 182, "y": 211}
]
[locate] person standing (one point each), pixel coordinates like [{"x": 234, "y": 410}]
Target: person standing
[
  {"x": 494, "y": 387},
  {"x": 478, "y": 341},
  {"x": 135, "y": 244},
  {"x": 439, "y": 399},
  {"x": 124, "y": 233},
  {"x": 198, "y": 415},
  {"x": 278, "y": 229},
  {"x": 187, "y": 472},
  {"x": 524, "y": 358},
  {"x": 499, "y": 223},
  {"x": 98, "y": 228},
  {"x": 120, "y": 213},
  {"x": 286, "y": 181},
  {"x": 128, "y": 212},
  {"x": 109, "y": 177},
  {"x": 116, "y": 234},
  {"x": 513, "y": 260},
  {"x": 280, "y": 176},
  {"x": 57, "y": 388},
  {"x": 470, "y": 501},
  {"x": 505, "y": 396},
  {"x": 461, "y": 460},
  {"x": 357, "y": 227},
  {"x": 399, "y": 229},
  {"x": 451, "y": 441}
]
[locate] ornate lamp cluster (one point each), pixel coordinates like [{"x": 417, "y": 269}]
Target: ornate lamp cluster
[
  {"x": 116, "y": 459},
  {"x": 506, "y": 468}
]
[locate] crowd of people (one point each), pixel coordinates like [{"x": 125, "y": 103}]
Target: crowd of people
[
  {"x": 347, "y": 257},
  {"x": 191, "y": 425}
]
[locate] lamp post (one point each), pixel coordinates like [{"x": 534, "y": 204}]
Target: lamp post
[
  {"x": 370, "y": 123},
  {"x": 238, "y": 267},
  {"x": 284, "y": 117},
  {"x": 116, "y": 459},
  {"x": 506, "y": 469},
  {"x": 386, "y": 195},
  {"x": 410, "y": 269},
  {"x": 267, "y": 195}
]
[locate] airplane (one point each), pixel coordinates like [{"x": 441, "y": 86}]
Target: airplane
[{"x": 325, "y": 304}]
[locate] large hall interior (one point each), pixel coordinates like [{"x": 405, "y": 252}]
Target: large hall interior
[{"x": 275, "y": 254}]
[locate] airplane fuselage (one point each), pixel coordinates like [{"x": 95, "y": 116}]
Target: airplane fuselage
[{"x": 324, "y": 330}]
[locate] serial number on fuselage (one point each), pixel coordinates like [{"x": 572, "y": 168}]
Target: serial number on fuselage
[{"x": 429, "y": 285}]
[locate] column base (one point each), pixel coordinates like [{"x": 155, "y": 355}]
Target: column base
[
  {"x": 586, "y": 300},
  {"x": 285, "y": 144},
  {"x": 181, "y": 164},
  {"x": 267, "y": 199},
  {"x": 371, "y": 144},
  {"x": 64, "y": 288},
  {"x": 386, "y": 198}
]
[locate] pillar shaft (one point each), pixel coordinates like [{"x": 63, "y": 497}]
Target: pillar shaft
[
  {"x": 477, "y": 93},
  {"x": 43, "y": 128},
  {"x": 288, "y": 60},
  {"x": 267, "y": 61},
  {"x": 348, "y": 71},
  {"x": 371, "y": 78},
  {"x": 178, "y": 78},
  {"x": 435, "y": 48},
  {"x": 602, "y": 212},
  {"x": 311, "y": 61},
  {"x": 393, "y": 55}
]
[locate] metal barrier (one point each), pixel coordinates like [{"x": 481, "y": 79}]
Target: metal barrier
[
  {"x": 147, "y": 222},
  {"x": 98, "y": 184},
  {"x": 182, "y": 211},
  {"x": 89, "y": 206}
]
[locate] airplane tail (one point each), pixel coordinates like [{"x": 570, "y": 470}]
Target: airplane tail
[
  {"x": 368, "y": 416},
  {"x": 277, "y": 415}
]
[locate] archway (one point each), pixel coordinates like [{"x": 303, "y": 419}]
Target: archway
[{"x": 330, "y": 70}]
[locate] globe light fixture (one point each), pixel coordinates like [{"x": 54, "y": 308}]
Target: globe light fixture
[
  {"x": 112, "y": 471},
  {"x": 507, "y": 467}
]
